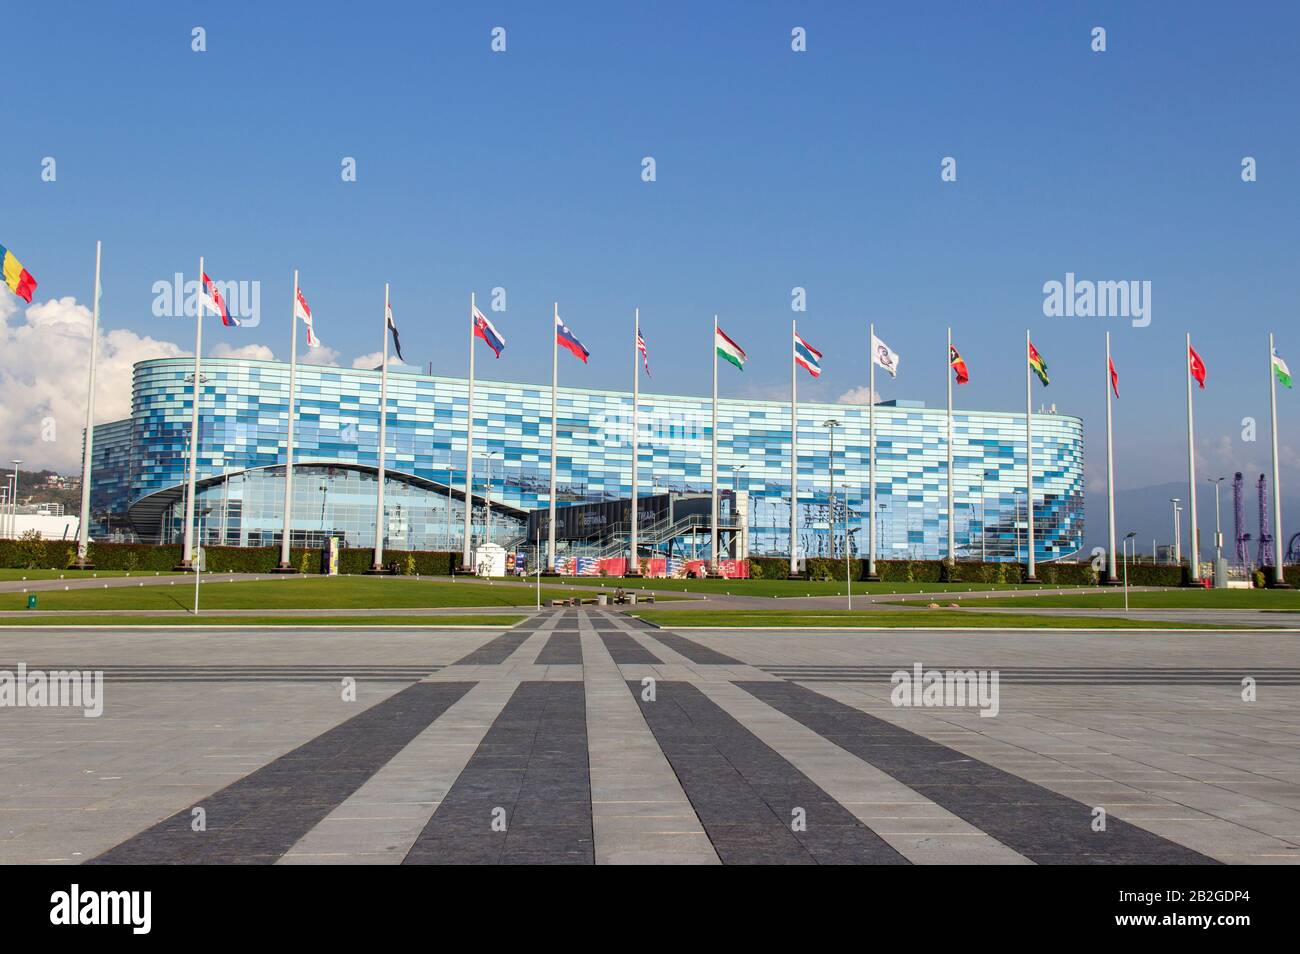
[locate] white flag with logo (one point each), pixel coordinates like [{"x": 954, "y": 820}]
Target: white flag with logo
[{"x": 885, "y": 356}]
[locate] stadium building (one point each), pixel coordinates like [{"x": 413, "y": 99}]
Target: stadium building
[{"x": 140, "y": 466}]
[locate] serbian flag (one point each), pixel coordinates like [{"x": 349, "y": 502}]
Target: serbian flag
[
  {"x": 18, "y": 279},
  {"x": 211, "y": 298},
  {"x": 1196, "y": 366},
  {"x": 484, "y": 329},
  {"x": 1114, "y": 377},
  {"x": 807, "y": 357},
  {"x": 645, "y": 355},
  {"x": 958, "y": 364},
  {"x": 302, "y": 310},
  {"x": 566, "y": 339}
]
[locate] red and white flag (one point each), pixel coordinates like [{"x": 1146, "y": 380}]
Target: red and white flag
[
  {"x": 645, "y": 355},
  {"x": 1114, "y": 378},
  {"x": 1196, "y": 366},
  {"x": 302, "y": 310},
  {"x": 210, "y": 297}
]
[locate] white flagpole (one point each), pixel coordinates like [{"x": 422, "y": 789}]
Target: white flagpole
[
  {"x": 285, "y": 565},
  {"x": 83, "y": 529},
  {"x": 713, "y": 461},
  {"x": 383, "y": 439},
  {"x": 1194, "y": 549},
  {"x": 1112, "y": 567},
  {"x": 1278, "y": 556},
  {"x": 634, "y": 565},
  {"x": 188, "y": 549},
  {"x": 794, "y": 452},
  {"x": 1030, "y": 576},
  {"x": 466, "y": 556},
  {"x": 555, "y": 384},
  {"x": 952, "y": 536},
  {"x": 871, "y": 458}
]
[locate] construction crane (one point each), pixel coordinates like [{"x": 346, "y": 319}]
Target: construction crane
[
  {"x": 1240, "y": 536},
  {"x": 1265, "y": 535}
]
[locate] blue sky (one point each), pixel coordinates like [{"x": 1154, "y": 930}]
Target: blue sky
[{"x": 775, "y": 169}]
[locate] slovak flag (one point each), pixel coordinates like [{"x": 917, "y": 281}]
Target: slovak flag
[
  {"x": 566, "y": 339},
  {"x": 484, "y": 329},
  {"x": 211, "y": 298},
  {"x": 302, "y": 310},
  {"x": 645, "y": 355},
  {"x": 1196, "y": 366}
]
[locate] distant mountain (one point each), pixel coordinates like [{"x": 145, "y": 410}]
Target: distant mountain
[{"x": 1148, "y": 511}]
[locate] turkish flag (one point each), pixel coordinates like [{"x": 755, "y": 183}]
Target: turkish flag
[
  {"x": 1114, "y": 378},
  {"x": 1196, "y": 365}
]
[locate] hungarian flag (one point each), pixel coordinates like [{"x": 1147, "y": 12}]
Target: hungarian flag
[
  {"x": 210, "y": 297},
  {"x": 1196, "y": 366},
  {"x": 1114, "y": 377},
  {"x": 807, "y": 357},
  {"x": 958, "y": 364},
  {"x": 484, "y": 329},
  {"x": 645, "y": 355},
  {"x": 1037, "y": 364},
  {"x": 728, "y": 350},
  {"x": 567, "y": 339},
  {"x": 1280, "y": 370},
  {"x": 302, "y": 310},
  {"x": 18, "y": 279},
  {"x": 392, "y": 326}
]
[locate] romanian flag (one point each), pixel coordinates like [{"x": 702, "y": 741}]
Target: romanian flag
[
  {"x": 728, "y": 350},
  {"x": 18, "y": 279},
  {"x": 1037, "y": 364},
  {"x": 958, "y": 364}
]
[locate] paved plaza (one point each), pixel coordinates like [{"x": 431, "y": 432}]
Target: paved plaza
[{"x": 584, "y": 736}]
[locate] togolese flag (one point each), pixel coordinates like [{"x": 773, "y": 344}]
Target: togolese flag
[
  {"x": 18, "y": 279},
  {"x": 1280, "y": 370},
  {"x": 1037, "y": 364},
  {"x": 729, "y": 350}
]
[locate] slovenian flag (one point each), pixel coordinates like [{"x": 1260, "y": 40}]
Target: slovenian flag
[
  {"x": 484, "y": 329},
  {"x": 728, "y": 350},
  {"x": 807, "y": 357},
  {"x": 566, "y": 339},
  {"x": 302, "y": 310},
  {"x": 18, "y": 279},
  {"x": 211, "y": 297}
]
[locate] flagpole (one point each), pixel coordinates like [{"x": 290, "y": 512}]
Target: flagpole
[
  {"x": 83, "y": 529},
  {"x": 466, "y": 556},
  {"x": 871, "y": 459},
  {"x": 713, "y": 461},
  {"x": 187, "y": 551},
  {"x": 285, "y": 565},
  {"x": 1112, "y": 568},
  {"x": 1279, "y": 579},
  {"x": 1194, "y": 550},
  {"x": 794, "y": 452},
  {"x": 952, "y": 536},
  {"x": 383, "y": 439},
  {"x": 555, "y": 384},
  {"x": 1030, "y": 576},
  {"x": 634, "y": 565}
]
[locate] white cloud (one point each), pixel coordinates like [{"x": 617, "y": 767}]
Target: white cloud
[
  {"x": 368, "y": 362},
  {"x": 44, "y": 360},
  {"x": 858, "y": 395},
  {"x": 252, "y": 352},
  {"x": 322, "y": 355}
]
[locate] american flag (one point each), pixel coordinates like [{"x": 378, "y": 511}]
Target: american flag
[{"x": 645, "y": 355}]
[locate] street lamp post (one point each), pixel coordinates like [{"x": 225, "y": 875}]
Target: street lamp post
[
  {"x": 13, "y": 502},
  {"x": 1128, "y": 537},
  {"x": 735, "y": 481},
  {"x": 1178, "y": 536},
  {"x": 1218, "y": 532},
  {"x": 487, "y": 497},
  {"x": 830, "y": 426},
  {"x": 848, "y": 575}
]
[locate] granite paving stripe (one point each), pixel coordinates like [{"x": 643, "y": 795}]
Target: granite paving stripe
[
  {"x": 1040, "y": 824},
  {"x": 562, "y": 649},
  {"x": 625, "y": 650},
  {"x": 695, "y": 652},
  {"x": 260, "y": 817},
  {"x": 496, "y": 650},
  {"x": 746, "y": 794},
  {"x": 532, "y": 764}
]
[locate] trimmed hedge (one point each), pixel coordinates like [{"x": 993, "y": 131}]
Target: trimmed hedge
[
  {"x": 1155, "y": 574},
  {"x": 927, "y": 571}
]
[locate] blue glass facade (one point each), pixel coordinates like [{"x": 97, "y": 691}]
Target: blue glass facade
[{"x": 243, "y": 423}]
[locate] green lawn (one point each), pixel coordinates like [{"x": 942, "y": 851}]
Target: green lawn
[
  {"x": 443, "y": 622},
  {"x": 791, "y": 588},
  {"x": 1187, "y": 598},
  {"x": 352, "y": 592},
  {"x": 944, "y": 619},
  {"x": 6, "y": 575}
]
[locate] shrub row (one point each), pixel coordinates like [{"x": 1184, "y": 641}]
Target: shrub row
[{"x": 931, "y": 571}]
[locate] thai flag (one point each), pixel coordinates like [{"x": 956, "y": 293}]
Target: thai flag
[
  {"x": 566, "y": 339},
  {"x": 645, "y": 355},
  {"x": 483, "y": 329},
  {"x": 211, "y": 297},
  {"x": 807, "y": 357}
]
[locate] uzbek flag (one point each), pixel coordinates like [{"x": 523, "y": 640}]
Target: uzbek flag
[
  {"x": 1037, "y": 364},
  {"x": 18, "y": 279},
  {"x": 728, "y": 350},
  {"x": 1280, "y": 370},
  {"x": 807, "y": 357}
]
